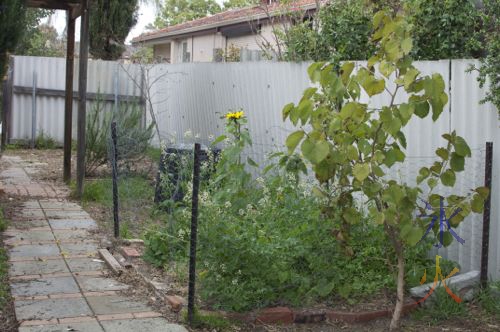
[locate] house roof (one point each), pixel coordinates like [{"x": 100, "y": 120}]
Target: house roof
[{"x": 225, "y": 18}]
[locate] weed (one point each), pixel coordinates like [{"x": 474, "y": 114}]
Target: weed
[
  {"x": 125, "y": 231},
  {"x": 131, "y": 190},
  {"x": 4, "y": 267},
  {"x": 45, "y": 142},
  {"x": 489, "y": 298},
  {"x": 441, "y": 307},
  {"x": 209, "y": 321}
]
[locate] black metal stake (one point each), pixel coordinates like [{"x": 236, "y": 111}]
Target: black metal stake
[
  {"x": 115, "y": 180},
  {"x": 194, "y": 231},
  {"x": 486, "y": 214}
]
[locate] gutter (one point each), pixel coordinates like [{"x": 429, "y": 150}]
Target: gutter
[{"x": 160, "y": 35}]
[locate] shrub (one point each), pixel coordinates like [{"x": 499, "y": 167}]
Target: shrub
[
  {"x": 45, "y": 142},
  {"x": 132, "y": 137}
]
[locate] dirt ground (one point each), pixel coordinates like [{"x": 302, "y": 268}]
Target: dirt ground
[{"x": 475, "y": 320}]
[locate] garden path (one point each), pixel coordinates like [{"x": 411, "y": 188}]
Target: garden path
[{"x": 56, "y": 280}]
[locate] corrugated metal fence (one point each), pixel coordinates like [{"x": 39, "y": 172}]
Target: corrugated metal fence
[{"x": 189, "y": 99}]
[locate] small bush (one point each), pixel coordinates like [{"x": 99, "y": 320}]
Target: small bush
[
  {"x": 45, "y": 142},
  {"x": 3, "y": 222}
]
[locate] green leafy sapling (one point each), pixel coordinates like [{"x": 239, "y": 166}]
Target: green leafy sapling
[{"x": 351, "y": 145}]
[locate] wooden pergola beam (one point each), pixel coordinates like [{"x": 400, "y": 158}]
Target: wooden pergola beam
[{"x": 53, "y": 4}]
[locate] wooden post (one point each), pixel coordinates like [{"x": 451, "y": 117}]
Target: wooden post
[
  {"x": 82, "y": 95},
  {"x": 68, "y": 104},
  {"x": 33, "y": 112},
  {"x": 7, "y": 104}
]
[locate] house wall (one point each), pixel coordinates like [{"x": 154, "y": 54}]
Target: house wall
[
  {"x": 162, "y": 51},
  {"x": 253, "y": 41},
  {"x": 203, "y": 48}
]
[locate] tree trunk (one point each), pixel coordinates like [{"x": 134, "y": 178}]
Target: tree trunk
[{"x": 398, "y": 309}]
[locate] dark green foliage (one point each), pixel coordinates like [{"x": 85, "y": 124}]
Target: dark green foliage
[
  {"x": 12, "y": 20},
  {"x": 443, "y": 29},
  {"x": 490, "y": 63},
  {"x": 44, "y": 142},
  {"x": 346, "y": 29},
  {"x": 232, "y": 4},
  {"x": 304, "y": 43},
  {"x": 110, "y": 23},
  {"x": 178, "y": 11}
]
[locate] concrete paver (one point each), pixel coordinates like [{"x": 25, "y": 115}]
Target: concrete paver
[
  {"x": 34, "y": 250},
  {"x": 115, "y": 304},
  {"x": 99, "y": 284},
  {"x": 55, "y": 283},
  {"x": 51, "y": 308},
  {"x": 38, "y": 267},
  {"x": 44, "y": 286},
  {"x": 80, "y": 327}
]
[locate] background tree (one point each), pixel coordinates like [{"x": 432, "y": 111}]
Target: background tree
[
  {"x": 233, "y": 4},
  {"x": 173, "y": 12},
  {"x": 12, "y": 19},
  {"x": 444, "y": 29},
  {"x": 42, "y": 41},
  {"x": 110, "y": 23},
  {"x": 489, "y": 36}
]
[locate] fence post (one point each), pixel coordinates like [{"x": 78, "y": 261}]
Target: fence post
[
  {"x": 33, "y": 112},
  {"x": 194, "y": 233},
  {"x": 114, "y": 165},
  {"x": 7, "y": 103},
  {"x": 486, "y": 214}
]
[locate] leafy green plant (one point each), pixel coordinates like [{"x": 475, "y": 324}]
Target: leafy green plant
[
  {"x": 98, "y": 126},
  {"x": 45, "y": 142},
  {"x": 351, "y": 145},
  {"x": 489, "y": 298},
  {"x": 3, "y": 222}
]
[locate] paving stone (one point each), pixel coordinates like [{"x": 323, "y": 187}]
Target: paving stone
[
  {"x": 51, "y": 308},
  {"x": 72, "y": 235},
  {"x": 30, "y": 213},
  {"x": 84, "y": 264},
  {"x": 38, "y": 267},
  {"x": 31, "y": 205},
  {"x": 52, "y": 204},
  {"x": 105, "y": 305},
  {"x": 27, "y": 224},
  {"x": 82, "y": 248},
  {"x": 147, "y": 324},
  {"x": 80, "y": 327},
  {"x": 30, "y": 236},
  {"x": 32, "y": 250},
  {"x": 100, "y": 284},
  {"x": 44, "y": 286},
  {"x": 72, "y": 223}
]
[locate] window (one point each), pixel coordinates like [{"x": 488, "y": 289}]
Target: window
[{"x": 186, "y": 56}]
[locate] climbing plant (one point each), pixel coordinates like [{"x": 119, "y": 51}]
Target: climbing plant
[{"x": 351, "y": 145}]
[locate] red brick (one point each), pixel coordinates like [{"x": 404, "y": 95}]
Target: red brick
[
  {"x": 130, "y": 252},
  {"x": 39, "y": 322},
  {"x": 115, "y": 316},
  {"x": 278, "y": 315},
  {"x": 176, "y": 302},
  {"x": 80, "y": 319}
]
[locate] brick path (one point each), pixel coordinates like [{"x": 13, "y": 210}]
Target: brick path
[{"x": 56, "y": 281}]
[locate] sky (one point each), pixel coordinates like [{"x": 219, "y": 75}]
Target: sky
[{"x": 146, "y": 16}]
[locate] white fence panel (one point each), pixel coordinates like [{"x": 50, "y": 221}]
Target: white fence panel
[{"x": 192, "y": 98}]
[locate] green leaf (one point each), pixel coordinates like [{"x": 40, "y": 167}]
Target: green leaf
[
  {"x": 461, "y": 147},
  {"x": 409, "y": 78},
  {"x": 457, "y": 162},
  {"x": 287, "y": 109},
  {"x": 324, "y": 288},
  {"x": 351, "y": 216},
  {"x": 370, "y": 84},
  {"x": 442, "y": 153},
  {"x": 432, "y": 182},
  {"x": 219, "y": 139},
  {"x": 293, "y": 140},
  {"x": 423, "y": 174},
  {"x": 422, "y": 109},
  {"x": 448, "y": 178},
  {"x": 251, "y": 162},
  {"x": 361, "y": 171},
  {"x": 477, "y": 203},
  {"x": 304, "y": 109},
  {"x": 483, "y": 191},
  {"x": 346, "y": 71},
  {"x": 406, "y": 45},
  {"x": 315, "y": 150},
  {"x": 414, "y": 235},
  {"x": 314, "y": 71},
  {"x": 352, "y": 152},
  {"x": 318, "y": 192}
]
